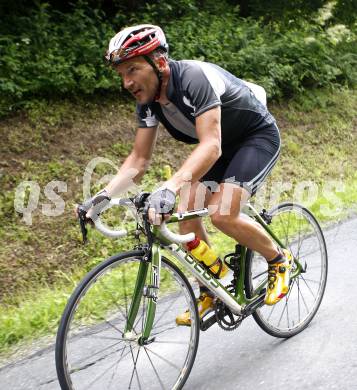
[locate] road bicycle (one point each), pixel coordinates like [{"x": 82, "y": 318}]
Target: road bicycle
[{"x": 118, "y": 330}]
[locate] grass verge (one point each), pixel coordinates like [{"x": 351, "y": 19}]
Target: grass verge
[{"x": 43, "y": 262}]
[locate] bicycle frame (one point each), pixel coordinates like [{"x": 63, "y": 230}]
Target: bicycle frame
[{"x": 238, "y": 303}]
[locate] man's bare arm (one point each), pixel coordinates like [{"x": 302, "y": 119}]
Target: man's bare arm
[{"x": 136, "y": 164}]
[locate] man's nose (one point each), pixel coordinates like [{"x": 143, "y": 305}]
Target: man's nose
[{"x": 127, "y": 82}]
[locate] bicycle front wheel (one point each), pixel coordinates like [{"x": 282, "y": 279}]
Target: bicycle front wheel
[
  {"x": 299, "y": 232},
  {"x": 91, "y": 352}
]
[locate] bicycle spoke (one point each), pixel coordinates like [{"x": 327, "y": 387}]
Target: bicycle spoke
[
  {"x": 286, "y": 301},
  {"x": 101, "y": 375},
  {"x": 306, "y": 236},
  {"x": 134, "y": 368},
  {"x": 115, "y": 303},
  {"x": 310, "y": 267},
  {"x": 285, "y": 230},
  {"x": 165, "y": 330},
  {"x": 271, "y": 312},
  {"x": 303, "y": 299},
  {"x": 298, "y": 297},
  {"x": 92, "y": 363},
  {"x": 281, "y": 315},
  {"x": 116, "y": 368},
  {"x": 310, "y": 280},
  {"x": 102, "y": 337},
  {"x": 94, "y": 334},
  {"x": 156, "y": 373},
  {"x": 141, "y": 318},
  {"x": 163, "y": 359},
  {"x": 97, "y": 353},
  {"x": 299, "y": 244},
  {"x": 108, "y": 323},
  {"x": 261, "y": 274},
  {"x": 308, "y": 287},
  {"x": 112, "y": 326},
  {"x": 170, "y": 342},
  {"x": 309, "y": 253},
  {"x": 164, "y": 312}
]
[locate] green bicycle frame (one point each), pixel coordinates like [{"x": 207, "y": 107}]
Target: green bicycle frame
[{"x": 238, "y": 303}]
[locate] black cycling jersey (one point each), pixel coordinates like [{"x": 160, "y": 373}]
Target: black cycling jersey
[
  {"x": 195, "y": 87},
  {"x": 250, "y": 137}
]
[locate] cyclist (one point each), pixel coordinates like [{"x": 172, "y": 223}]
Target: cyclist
[{"x": 237, "y": 139}]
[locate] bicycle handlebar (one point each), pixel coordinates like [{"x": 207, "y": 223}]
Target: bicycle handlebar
[
  {"x": 99, "y": 225},
  {"x": 174, "y": 237},
  {"x": 104, "y": 229}
]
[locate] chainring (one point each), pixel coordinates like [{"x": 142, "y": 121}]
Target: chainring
[{"x": 226, "y": 320}]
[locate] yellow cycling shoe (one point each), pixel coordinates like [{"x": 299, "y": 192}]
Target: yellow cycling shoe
[
  {"x": 278, "y": 278},
  {"x": 204, "y": 305}
]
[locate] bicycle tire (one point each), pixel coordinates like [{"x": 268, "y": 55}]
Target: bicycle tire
[
  {"x": 316, "y": 262},
  {"x": 79, "y": 356}
]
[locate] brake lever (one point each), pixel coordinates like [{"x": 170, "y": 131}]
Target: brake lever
[{"x": 82, "y": 222}]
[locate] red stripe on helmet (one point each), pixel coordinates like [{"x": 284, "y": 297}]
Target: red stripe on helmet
[
  {"x": 149, "y": 47},
  {"x": 138, "y": 37}
]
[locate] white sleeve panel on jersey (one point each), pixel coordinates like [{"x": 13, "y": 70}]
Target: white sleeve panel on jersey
[
  {"x": 214, "y": 79},
  {"x": 258, "y": 91},
  {"x": 145, "y": 117},
  {"x": 201, "y": 91},
  {"x": 151, "y": 121}
]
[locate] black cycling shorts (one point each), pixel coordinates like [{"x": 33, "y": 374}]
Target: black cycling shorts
[{"x": 246, "y": 163}]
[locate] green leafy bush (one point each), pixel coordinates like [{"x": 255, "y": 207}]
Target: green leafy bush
[
  {"x": 49, "y": 53},
  {"x": 54, "y": 54}
]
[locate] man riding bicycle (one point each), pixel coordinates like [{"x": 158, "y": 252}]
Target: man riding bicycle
[{"x": 237, "y": 139}]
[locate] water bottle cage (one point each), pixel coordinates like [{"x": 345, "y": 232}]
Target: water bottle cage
[
  {"x": 219, "y": 262},
  {"x": 232, "y": 262}
]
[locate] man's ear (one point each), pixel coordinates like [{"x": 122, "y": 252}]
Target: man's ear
[{"x": 161, "y": 63}]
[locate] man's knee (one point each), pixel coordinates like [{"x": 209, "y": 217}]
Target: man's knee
[{"x": 220, "y": 220}]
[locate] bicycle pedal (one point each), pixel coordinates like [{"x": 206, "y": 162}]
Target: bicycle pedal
[
  {"x": 250, "y": 308},
  {"x": 205, "y": 324}
]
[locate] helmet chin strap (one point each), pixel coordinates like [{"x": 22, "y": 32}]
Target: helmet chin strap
[{"x": 158, "y": 74}]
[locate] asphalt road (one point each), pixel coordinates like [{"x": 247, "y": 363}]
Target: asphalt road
[{"x": 324, "y": 356}]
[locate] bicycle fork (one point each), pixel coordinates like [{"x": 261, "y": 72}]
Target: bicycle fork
[{"x": 150, "y": 292}]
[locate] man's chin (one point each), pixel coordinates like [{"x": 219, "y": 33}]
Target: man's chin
[{"x": 144, "y": 99}]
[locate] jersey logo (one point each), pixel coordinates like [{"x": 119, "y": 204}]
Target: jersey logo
[
  {"x": 148, "y": 113},
  {"x": 188, "y": 103},
  {"x": 150, "y": 119}
]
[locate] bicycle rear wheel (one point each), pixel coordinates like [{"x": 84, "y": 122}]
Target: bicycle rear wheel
[
  {"x": 90, "y": 350},
  {"x": 300, "y": 232}
]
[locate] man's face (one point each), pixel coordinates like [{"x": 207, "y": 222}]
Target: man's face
[{"x": 139, "y": 79}]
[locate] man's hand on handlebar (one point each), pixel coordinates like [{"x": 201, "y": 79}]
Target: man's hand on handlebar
[
  {"x": 90, "y": 210},
  {"x": 161, "y": 204}
]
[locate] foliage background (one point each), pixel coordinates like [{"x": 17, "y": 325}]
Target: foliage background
[{"x": 55, "y": 49}]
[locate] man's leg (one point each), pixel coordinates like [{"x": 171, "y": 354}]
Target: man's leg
[
  {"x": 198, "y": 197},
  {"x": 228, "y": 203}
]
